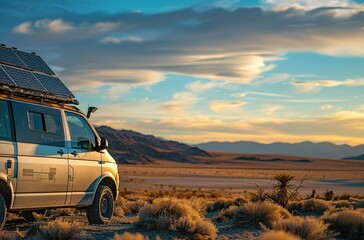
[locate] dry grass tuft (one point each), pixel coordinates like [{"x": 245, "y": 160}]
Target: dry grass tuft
[
  {"x": 278, "y": 235},
  {"x": 119, "y": 212},
  {"x": 64, "y": 212},
  {"x": 359, "y": 204},
  {"x": 306, "y": 228},
  {"x": 348, "y": 222},
  {"x": 6, "y": 236},
  {"x": 130, "y": 207},
  {"x": 57, "y": 229},
  {"x": 255, "y": 213},
  {"x": 130, "y": 236},
  {"x": 342, "y": 204},
  {"x": 175, "y": 215},
  {"x": 226, "y": 214},
  {"x": 316, "y": 205}
]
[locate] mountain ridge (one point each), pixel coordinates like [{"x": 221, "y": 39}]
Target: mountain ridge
[
  {"x": 305, "y": 148},
  {"x": 127, "y": 146}
]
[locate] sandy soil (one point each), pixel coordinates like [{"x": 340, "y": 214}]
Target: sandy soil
[{"x": 223, "y": 171}]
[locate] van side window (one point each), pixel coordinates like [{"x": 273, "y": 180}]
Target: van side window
[
  {"x": 5, "y": 122},
  {"x": 38, "y": 124},
  {"x": 44, "y": 122},
  {"x": 82, "y": 135}
]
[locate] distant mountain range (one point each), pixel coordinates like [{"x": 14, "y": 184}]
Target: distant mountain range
[
  {"x": 309, "y": 149},
  {"x": 133, "y": 147}
]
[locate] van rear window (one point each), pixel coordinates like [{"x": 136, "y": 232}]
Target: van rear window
[
  {"x": 43, "y": 122},
  {"x": 38, "y": 124}
]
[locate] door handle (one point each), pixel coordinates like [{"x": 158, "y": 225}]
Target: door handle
[
  {"x": 60, "y": 152},
  {"x": 74, "y": 153}
]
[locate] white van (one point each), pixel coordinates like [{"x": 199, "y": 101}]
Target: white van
[{"x": 50, "y": 155}]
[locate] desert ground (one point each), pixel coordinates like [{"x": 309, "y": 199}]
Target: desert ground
[
  {"x": 217, "y": 191},
  {"x": 225, "y": 172}
]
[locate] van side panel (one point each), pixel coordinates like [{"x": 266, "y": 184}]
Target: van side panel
[{"x": 42, "y": 157}]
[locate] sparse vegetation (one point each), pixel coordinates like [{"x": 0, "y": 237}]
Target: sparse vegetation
[
  {"x": 6, "y": 236},
  {"x": 278, "y": 235},
  {"x": 348, "y": 222},
  {"x": 253, "y": 214},
  {"x": 175, "y": 215},
  {"x": 306, "y": 228},
  {"x": 283, "y": 191},
  {"x": 226, "y": 214},
  {"x": 314, "y": 205},
  {"x": 57, "y": 229},
  {"x": 130, "y": 236}
]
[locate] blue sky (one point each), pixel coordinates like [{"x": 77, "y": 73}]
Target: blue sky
[{"x": 197, "y": 71}]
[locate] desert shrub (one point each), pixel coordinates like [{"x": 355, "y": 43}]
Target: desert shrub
[
  {"x": 57, "y": 229},
  {"x": 315, "y": 205},
  {"x": 6, "y": 236},
  {"x": 130, "y": 207},
  {"x": 119, "y": 212},
  {"x": 329, "y": 195},
  {"x": 347, "y": 222},
  {"x": 283, "y": 191},
  {"x": 175, "y": 215},
  {"x": 305, "y": 228},
  {"x": 255, "y": 213},
  {"x": 278, "y": 235},
  {"x": 226, "y": 214},
  {"x": 344, "y": 196},
  {"x": 64, "y": 212},
  {"x": 295, "y": 207},
  {"x": 342, "y": 204},
  {"x": 359, "y": 204},
  {"x": 199, "y": 204},
  {"x": 130, "y": 236},
  {"x": 219, "y": 204},
  {"x": 260, "y": 195}
]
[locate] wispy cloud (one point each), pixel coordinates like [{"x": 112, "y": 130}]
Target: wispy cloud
[
  {"x": 182, "y": 101},
  {"x": 266, "y": 94},
  {"x": 211, "y": 44},
  {"x": 222, "y": 106},
  {"x": 314, "y": 86}
]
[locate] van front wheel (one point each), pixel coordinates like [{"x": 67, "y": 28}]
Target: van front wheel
[
  {"x": 3, "y": 210},
  {"x": 102, "y": 208}
]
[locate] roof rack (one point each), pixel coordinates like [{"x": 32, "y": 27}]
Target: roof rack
[{"x": 27, "y": 75}]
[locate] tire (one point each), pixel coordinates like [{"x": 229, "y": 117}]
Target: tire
[
  {"x": 102, "y": 208},
  {"x": 33, "y": 216},
  {"x": 3, "y": 210}
]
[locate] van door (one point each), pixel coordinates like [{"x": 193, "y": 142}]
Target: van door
[
  {"x": 8, "y": 173},
  {"x": 42, "y": 156},
  {"x": 84, "y": 161}
]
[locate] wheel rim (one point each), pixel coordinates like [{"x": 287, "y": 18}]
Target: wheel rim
[{"x": 105, "y": 206}]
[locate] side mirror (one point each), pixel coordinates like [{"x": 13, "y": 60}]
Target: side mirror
[
  {"x": 91, "y": 110},
  {"x": 104, "y": 144}
]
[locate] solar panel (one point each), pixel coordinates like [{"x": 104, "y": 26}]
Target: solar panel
[
  {"x": 7, "y": 55},
  {"x": 53, "y": 85},
  {"x": 34, "y": 62},
  {"x": 4, "y": 78},
  {"x": 24, "y": 78}
]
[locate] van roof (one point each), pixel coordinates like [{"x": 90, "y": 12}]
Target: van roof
[{"x": 26, "y": 75}]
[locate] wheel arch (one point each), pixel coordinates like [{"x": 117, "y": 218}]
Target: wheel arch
[
  {"x": 7, "y": 192},
  {"x": 110, "y": 182}
]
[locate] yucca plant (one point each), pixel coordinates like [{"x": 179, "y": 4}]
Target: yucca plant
[{"x": 283, "y": 190}]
